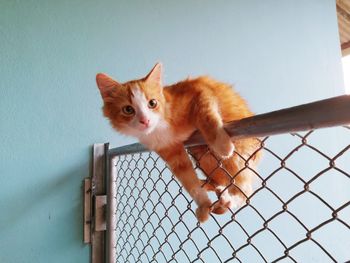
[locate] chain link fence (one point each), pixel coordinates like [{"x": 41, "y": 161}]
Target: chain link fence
[{"x": 299, "y": 210}]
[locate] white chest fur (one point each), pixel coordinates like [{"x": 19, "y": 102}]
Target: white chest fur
[{"x": 162, "y": 136}]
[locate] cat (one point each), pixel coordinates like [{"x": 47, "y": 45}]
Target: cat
[{"x": 162, "y": 118}]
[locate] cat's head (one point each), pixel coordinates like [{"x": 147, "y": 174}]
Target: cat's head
[{"x": 136, "y": 107}]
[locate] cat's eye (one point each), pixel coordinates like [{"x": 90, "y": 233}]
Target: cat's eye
[
  {"x": 128, "y": 110},
  {"x": 152, "y": 103}
]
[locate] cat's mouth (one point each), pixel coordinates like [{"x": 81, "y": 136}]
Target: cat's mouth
[{"x": 146, "y": 129}]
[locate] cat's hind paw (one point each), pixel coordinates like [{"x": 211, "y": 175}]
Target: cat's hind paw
[
  {"x": 219, "y": 209},
  {"x": 227, "y": 201}
]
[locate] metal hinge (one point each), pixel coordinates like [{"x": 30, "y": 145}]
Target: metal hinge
[{"x": 94, "y": 211}]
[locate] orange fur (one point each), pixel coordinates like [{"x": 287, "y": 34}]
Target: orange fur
[{"x": 201, "y": 103}]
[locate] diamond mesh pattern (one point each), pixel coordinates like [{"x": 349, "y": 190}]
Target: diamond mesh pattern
[{"x": 299, "y": 211}]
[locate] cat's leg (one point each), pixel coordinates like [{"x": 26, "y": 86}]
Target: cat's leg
[
  {"x": 217, "y": 178},
  {"x": 242, "y": 167},
  {"x": 239, "y": 187},
  {"x": 232, "y": 177},
  {"x": 209, "y": 122},
  {"x": 233, "y": 184},
  {"x": 178, "y": 160},
  {"x": 208, "y": 186}
]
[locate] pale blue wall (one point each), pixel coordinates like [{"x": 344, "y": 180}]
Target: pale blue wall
[{"x": 278, "y": 53}]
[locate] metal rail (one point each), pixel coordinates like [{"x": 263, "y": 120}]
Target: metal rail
[{"x": 320, "y": 114}]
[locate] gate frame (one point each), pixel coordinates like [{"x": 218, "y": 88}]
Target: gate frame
[{"x": 320, "y": 114}]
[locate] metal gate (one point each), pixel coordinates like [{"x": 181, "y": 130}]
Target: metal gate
[{"x": 299, "y": 210}]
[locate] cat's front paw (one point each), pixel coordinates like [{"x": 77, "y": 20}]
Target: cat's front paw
[
  {"x": 227, "y": 151},
  {"x": 223, "y": 145}
]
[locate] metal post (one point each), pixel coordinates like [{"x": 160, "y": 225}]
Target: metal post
[
  {"x": 97, "y": 189},
  {"x": 111, "y": 208}
]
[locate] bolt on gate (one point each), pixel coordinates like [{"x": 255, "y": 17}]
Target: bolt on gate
[{"x": 136, "y": 211}]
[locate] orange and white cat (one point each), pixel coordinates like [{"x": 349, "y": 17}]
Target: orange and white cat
[{"x": 162, "y": 118}]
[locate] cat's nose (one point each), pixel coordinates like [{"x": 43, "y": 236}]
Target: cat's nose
[{"x": 144, "y": 121}]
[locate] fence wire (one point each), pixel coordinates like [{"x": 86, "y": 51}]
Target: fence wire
[{"x": 299, "y": 210}]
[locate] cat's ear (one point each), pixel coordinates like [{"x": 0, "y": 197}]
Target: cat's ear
[
  {"x": 155, "y": 76},
  {"x": 105, "y": 84}
]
